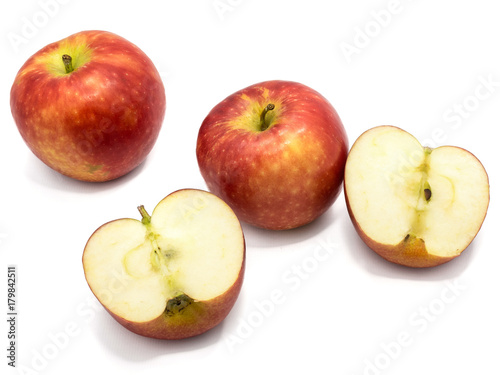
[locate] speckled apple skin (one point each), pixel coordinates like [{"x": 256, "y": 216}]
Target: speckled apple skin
[
  {"x": 283, "y": 177},
  {"x": 98, "y": 122}
]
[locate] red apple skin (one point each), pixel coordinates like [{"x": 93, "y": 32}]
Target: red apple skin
[
  {"x": 98, "y": 122},
  {"x": 195, "y": 319},
  {"x": 283, "y": 177}
]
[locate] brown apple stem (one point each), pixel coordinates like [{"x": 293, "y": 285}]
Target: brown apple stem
[
  {"x": 263, "y": 124},
  {"x": 68, "y": 63},
  {"x": 146, "y": 219}
]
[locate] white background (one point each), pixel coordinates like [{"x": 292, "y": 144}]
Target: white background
[{"x": 421, "y": 65}]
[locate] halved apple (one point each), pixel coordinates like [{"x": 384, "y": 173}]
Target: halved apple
[
  {"x": 413, "y": 205},
  {"x": 174, "y": 274}
]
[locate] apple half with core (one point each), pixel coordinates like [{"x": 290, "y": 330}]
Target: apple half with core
[
  {"x": 275, "y": 152},
  {"x": 89, "y": 106},
  {"x": 413, "y": 205},
  {"x": 174, "y": 274}
]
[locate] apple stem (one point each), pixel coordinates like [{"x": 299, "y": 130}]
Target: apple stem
[
  {"x": 68, "y": 63},
  {"x": 146, "y": 219},
  {"x": 263, "y": 124}
]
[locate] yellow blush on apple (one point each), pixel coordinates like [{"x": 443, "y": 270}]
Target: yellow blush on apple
[{"x": 89, "y": 106}]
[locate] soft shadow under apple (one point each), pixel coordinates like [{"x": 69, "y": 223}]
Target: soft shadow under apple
[
  {"x": 135, "y": 348},
  {"x": 42, "y": 175},
  {"x": 263, "y": 238}
]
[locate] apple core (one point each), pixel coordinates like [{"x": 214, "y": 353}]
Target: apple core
[
  {"x": 181, "y": 265},
  {"x": 412, "y": 204}
]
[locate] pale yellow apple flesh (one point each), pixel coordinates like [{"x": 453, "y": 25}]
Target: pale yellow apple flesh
[
  {"x": 402, "y": 195},
  {"x": 190, "y": 250}
]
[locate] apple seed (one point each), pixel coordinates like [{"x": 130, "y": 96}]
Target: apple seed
[{"x": 427, "y": 193}]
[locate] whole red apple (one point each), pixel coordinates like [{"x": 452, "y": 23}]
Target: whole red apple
[
  {"x": 275, "y": 152},
  {"x": 89, "y": 106}
]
